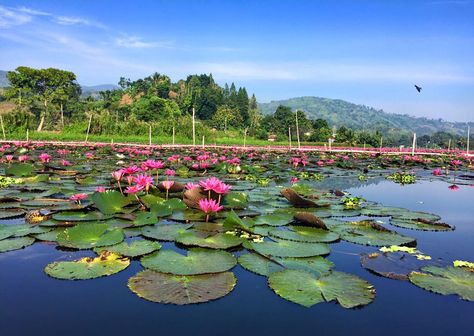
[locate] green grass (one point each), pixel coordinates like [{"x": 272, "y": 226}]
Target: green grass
[{"x": 156, "y": 140}]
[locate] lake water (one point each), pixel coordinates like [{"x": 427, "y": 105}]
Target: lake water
[{"x": 33, "y": 303}]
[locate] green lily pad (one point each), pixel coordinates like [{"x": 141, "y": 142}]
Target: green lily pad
[
  {"x": 145, "y": 218},
  {"x": 165, "y": 232},
  {"x": 275, "y": 219},
  {"x": 88, "y": 268},
  {"x": 181, "y": 289},
  {"x": 197, "y": 261},
  {"x": 134, "y": 249},
  {"x": 110, "y": 202},
  {"x": 235, "y": 200},
  {"x": 20, "y": 169},
  {"x": 367, "y": 232},
  {"x": 305, "y": 234},
  {"x": 307, "y": 290},
  {"x": 77, "y": 216},
  {"x": 217, "y": 241},
  {"x": 446, "y": 281},
  {"x": 87, "y": 236},
  {"x": 286, "y": 248},
  {"x": 417, "y": 224},
  {"x": 15, "y": 243},
  {"x": 265, "y": 266}
]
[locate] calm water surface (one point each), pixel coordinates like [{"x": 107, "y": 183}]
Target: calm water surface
[{"x": 32, "y": 303}]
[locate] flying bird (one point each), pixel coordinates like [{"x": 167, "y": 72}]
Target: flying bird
[{"x": 418, "y": 88}]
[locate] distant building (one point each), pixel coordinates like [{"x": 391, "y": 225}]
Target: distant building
[{"x": 272, "y": 137}]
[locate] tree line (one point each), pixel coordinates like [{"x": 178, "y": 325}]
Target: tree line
[{"x": 50, "y": 99}]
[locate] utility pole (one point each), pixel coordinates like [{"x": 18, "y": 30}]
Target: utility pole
[
  {"x": 297, "y": 131},
  {"x": 194, "y": 127},
  {"x": 413, "y": 145},
  {"x": 289, "y": 136},
  {"x": 468, "y": 136}
]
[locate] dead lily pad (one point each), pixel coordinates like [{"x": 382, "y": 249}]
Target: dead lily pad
[
  {"x": 308, "y": 218},
  {"x": 181, "y": 289},
  {"x": 296, "y": 200}
]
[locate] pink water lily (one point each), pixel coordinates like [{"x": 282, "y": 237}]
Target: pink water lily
[
  {"x": 45, "y": 158},
  {"x": 133, "y": 189},
  {"x": 437, "y": 172},
  {"x": 453, "y": 187},
  {"x": 167, "y": 185},
  {"x": 78, "y": 197},
  {"x": 191, "y": 185},
  {"x": 23, "y": 158},
  {"x": 209, "y": 207},
  {"x": 66, "y": 163},
  {"x": 143, "y": 180},
  {"x": 170, "y": 172},
  {"x": 100, "y": 189}
]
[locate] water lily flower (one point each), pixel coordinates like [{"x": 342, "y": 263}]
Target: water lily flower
[
  {"x": 453, "y": 187},
  {"x": 143, "y": 180},
  {"x": 456, "y": 162},
  {"x": 437, "y": 172},
  {"x": 117, "y": 175},
  {"x": 170, "y": 172},
  {"x": 89, "y": 155},
  {"x": 133, "y": 189},
  {"x": 23, "y": 158},
  {"x": 191, "y": 185},
  {"x": 78, "y": 197},
  {"x": 167, "y": 185},
  {"x": 66, "y": 163},
  {"x": 209, "y": 206},
  {"x": 100, "y": 189},
  {"x": 131, "y": 170},
  {"x": 294, "y": 180},
  {"x": 9, "y": 158},
  {"x": 45, "y": 158}
]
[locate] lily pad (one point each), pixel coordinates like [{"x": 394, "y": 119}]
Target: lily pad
[
  {"x": 307, "y": 290},
  {"x": 165, "y": 232},
  {"x": 285, "y": 248},
  {"x": 265, "y": 266},
  {"x": 77, "y": 216},
  {"x": 394, "y": 265},
  {"x": 305, "y": 234},
  {"x": 134, "y": 249},
  {"x": 88, "y": 268},
  {"x": 15, "y": 243},
  {"x": 110, "y": 202},
  {"x": 420, "y": 224},
  {"x": 274, "y": 219},
  {"x": 367, "y": 232},
  {"x": 20, "y": 169},
  {"x": 217, "y": 241},
  {"x": 446, "y": 281},
  {"x": 87, "y": 236},
  {"x": 181, "y": 289},
  {"x": 197, "y": 261}
]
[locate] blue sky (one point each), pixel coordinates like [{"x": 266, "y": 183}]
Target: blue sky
[{"x": 368, "y": 52}]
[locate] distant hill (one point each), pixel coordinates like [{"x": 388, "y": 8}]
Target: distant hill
[
  {"x": 3, "y": 79},
  {"x": 94, "y": 90},
  {"x": 360, "y": 117}
]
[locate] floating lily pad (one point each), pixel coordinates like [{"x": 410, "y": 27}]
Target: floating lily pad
[
  {"x": 285, "y": 248},
  {"x": 446, "y": 281},
  {"x": 197, "y": 261},
  {"x": 217, "y": 241},
  {"x": 265, "y": 266},
  {"x": 423, "y": 225},
  {"x": 110, "y": 202},
  {"x": 235, "y": 200},
  {"x": 165, "y": 232},
  {"x": 134, "y": 249},
  {"x": 20, "y": 169},
  {"x": 181, "y": 289},
  {"x": 305, "y": 234},
  {"x": 15, "y": 243},
  {"x": 77, "y": 216},
  {"x": 88, "y": 268},
  {"x": 369, "y": 233},
  {"x": 394, "y": 265},
  {"x": 296, "y": 200},
  {"x": 307, "y": 290},
  {"x": 87, "y": 236},
  {"x": 274, "y": 219}
]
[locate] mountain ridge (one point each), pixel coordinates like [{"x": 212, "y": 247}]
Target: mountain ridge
[{"x": 339, "y": 113}]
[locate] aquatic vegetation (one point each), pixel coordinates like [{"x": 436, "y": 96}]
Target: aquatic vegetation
[
  {"x": 402, "y": 178},
  {"x": 189, "y": 216}
]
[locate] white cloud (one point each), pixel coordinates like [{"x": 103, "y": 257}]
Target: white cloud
[
  {"x": 10, "y": 18},
  {"x": 70, "y": 21},
  {"x": 135, "y": 42}
]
